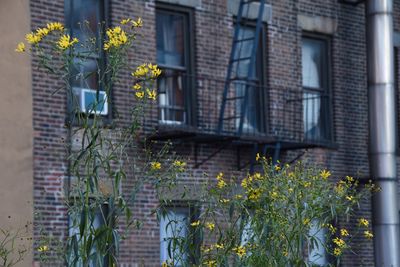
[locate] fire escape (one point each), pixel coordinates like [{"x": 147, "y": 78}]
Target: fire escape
[{"x": 232, "y": 120}]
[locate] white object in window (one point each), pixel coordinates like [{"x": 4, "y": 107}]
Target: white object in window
[{"x": 173, "y": 226}]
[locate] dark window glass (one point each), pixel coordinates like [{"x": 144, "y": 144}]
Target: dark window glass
[
  {"x": 316, "y": 102},
  {"x": 84, "y": 19},
  {"x": 172, "y": 30},
  {"x": 254, "y": 110}
]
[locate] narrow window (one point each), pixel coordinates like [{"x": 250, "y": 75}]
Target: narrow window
[
  {"x": 316, "y": 100},
  {"x": 174, "y": 58},
  {"x": 174, "y": 228},
  {"x": 317, "y": 254},
  {"x": 85, "y": 20},
  {"x": 252, "y": 120},
  {"x": 98, "y": 220}
]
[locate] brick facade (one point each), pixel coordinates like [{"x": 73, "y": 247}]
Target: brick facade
[{"x": 213, "y": 29}]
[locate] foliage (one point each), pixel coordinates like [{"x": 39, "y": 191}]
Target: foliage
[
  {"x": 277, "y": 217},
  {"x": 103, "y": 159}
]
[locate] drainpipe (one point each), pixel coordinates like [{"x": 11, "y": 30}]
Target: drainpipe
[{"x": 382, "y": 131}]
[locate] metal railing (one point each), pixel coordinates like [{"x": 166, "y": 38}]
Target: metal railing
[{"x": 281, "y": 113}]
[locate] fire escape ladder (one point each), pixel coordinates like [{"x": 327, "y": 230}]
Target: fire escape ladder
[{"x": 241, "y": 70}]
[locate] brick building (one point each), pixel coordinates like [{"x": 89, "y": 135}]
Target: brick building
[{"x": 310, "y": 103}]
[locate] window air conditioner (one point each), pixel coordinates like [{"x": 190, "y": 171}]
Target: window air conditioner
[{"x": 88, "y": 103}]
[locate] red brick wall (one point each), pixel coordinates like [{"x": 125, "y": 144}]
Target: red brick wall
[{"x": 213, "y": 32}]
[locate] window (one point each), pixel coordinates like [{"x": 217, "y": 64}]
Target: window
[
  {"x": 84, "y": 19},
  {"x": 252, "y": 121},
  {"x": 316, "y": 251},
  {"x": 176, "y": 236},
  {"x": 174, "y": 56},
  {"x": 316, "y": 100},
  {"x": 100, "y": 218}
]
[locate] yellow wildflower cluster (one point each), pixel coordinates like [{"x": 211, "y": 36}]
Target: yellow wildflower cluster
[
  {"x": 337, "y": 252},
  {"x": 180, "y": 165},
  {"x": 20, "y": 47},
  {"x": 254, "y": 194},
  {"x": 195, "y": 223},
  {"x": 221, "y": 183},
  {"x": 368, "y": 234},
  {"x": 36, "y": 37},
  {"x": 339, "y": 242},
  {"x": 155, "y": 165},
  {"x": 116, "y": 38},
  {"x": 210, "y": 226},
  {"x": 240, "y": 251},
  {"x": 43, "y": 248},
  {"x": 324, "y": 174},
  {"x": 211, "y": 263},
  {"x": 224, "y": 200},
  {"x": 363, "y": 222},
  {"x": 145, "y": 70},
  {"x": 66, "y": 42},
  {"x": 344, "y": 232}
]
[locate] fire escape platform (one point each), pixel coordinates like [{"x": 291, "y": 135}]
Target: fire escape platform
[{"x": 185, "y": 133}]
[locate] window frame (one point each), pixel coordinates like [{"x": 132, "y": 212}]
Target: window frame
[
  {"x": 71, "y": 118},
  {"x": 261, "y": 53},
  {"x": 326, "y": 91},
  {"x": 193, "y": 211},
  {"x": 190, "y": 93}
]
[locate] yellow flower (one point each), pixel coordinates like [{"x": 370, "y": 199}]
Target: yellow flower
[
  {"x": 307, "y": 184},
  {"x": 240, "y": 251},
  {"x": 306, "y": 221},
  {"x": 238, "y": 196},
  {"x": 139, "y": 95},
  {"x": 42, "y": 32},
  {"x": 325, "y": 174},
  {"x": 196, "y": 223},
  {"x": 349, "y": 198},
  {"x": 65, "y": 42},
  {"x": 274, "y": 195},
  {"x": 220, "y": 175},
  {"x": 55, "y": 26},
  {"x": 155, "y": 165},
  {"x": 245, "y": 183},
  {"x": 254, "y": 194},
  {"x": 258, "y": 156},
  {"x": 32, "y": 38},
  {"x": 151, "y": 94},
  {"x": 43, "y": 248},
  {"x": 221, "y": 184},
  {"x": 164, "y": 264},
  {"x": 224, "y": 200},
  {"x": 138, "y": 23},
  {"x": 20, "y": 47},
  {"x": 210, "y": 225},
  {"x": 155, "y": 71},
  {"x": 137, "y": 86},
  {"x": 211, "y": 263},
  {"x": 363, "y": 222},
  {"x": 339, "y": 242},
  {"x": 219, "y": 246},
  {"x": 277, "y": 167},
  {"x": 125, "y": 21},
  {"x": 116, "y": 38},
  {"x": 337, "y": 252},
  {"x": 349, "y": 179},
  {"x": 331, "y": 228},
  {"x": 368, "y": 234},
  {"x": 257, "y": 176},
  {"x": 344, "y": 232},
  {"x": 180, "y": 165}
]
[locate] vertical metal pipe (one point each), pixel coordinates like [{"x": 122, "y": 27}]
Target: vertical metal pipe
[{"x": 382, "y": 143}]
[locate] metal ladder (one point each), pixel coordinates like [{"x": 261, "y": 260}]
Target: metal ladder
[{"x": 233, "y": 76}]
